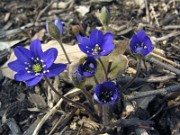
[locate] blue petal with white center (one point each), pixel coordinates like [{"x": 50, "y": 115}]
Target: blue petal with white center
[
  {"x": 106, "y": 93},
  {"x": 97, "y": 45},
  {"x": 31, "y": 65},
  {"x": 141, "y": 43}
]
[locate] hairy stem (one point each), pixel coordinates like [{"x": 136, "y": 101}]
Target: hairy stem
[
  {"x": 65, "y": 53},
  {"x": 76, "y": 104}
]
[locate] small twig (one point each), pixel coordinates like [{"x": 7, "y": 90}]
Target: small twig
[
  {"x": 165, "y": 59},
  {"x": 147, "y": 79},
  {"x": 164, "y": 65},
  {"x": 125, "y": 123},
  {"x": 62, "y": 122},
  {"x": 159, "y": 110},
  {"x": 147, "y": 11},
  {"x": 171, "y": 27},
  {"x": 173, "y": 34},
  {"x": 44, "y": 10},
  {"x": 163, "y": 91}
]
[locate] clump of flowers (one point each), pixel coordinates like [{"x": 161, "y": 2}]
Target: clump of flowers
[
  {"x": 31, "y": 65},
  {"x": 106, "y": 93},
  {"x": 98, "y": 44},
  {"x": 141, "y": 43}
]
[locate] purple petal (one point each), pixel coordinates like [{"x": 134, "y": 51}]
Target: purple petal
[
  {"x": 49, "y": 56},
  {"x": 59, "y": 24},
  {"x": 107, "y": 49},
  {"x": 108, "y": 37},
  {"x": 106, "y": 86},
  {"x": 96, "y": 37},
  {"x": 23, "y": 76},
  {"x": 88, "y": 74},
  {"x": 134, "y": 41},
  {"x": 16, "y": 66},
  {"x": 141, "y": 35},
  {"x": 35, "y": 48},
  {"x": 34, "y": 81},
  {"x": 23, "y": 54},
  {"x": 149, "y": 47},
  {"x": 55, "y": 69},
  {"x": 84, "y": 41}
]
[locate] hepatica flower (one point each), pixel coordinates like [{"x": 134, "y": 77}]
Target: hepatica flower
[
  {"x": 97, "y": 45},
  {"x": 141, "y": 43},
  {"x": 88, "y": 67},
  {"x": 106, "y": 93},
  {"x": 31, "y": 65},
  {"x": 56, "y": 28}
]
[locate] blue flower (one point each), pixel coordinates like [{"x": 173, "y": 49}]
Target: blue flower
[
  {"x": 88, "y": 67},
  {"x": 97, "y": 45},
  {"x": 58, "y": 24},
  {"x": 141, "y": 43},
  {"x": 31, "y": 65},
  {"x": 106, "y": 93}
]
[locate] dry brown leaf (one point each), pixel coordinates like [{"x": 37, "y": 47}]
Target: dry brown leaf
[
  {"x": 88, "y": 123},
  {"x": 39, "y": 35}
]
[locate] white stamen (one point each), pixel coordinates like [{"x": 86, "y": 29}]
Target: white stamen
[
  {"x": 37, "y": 59},
  {"x": 32, "y": 58},
  {"x": 47, "y": 71},
  {"x": 42, "y": 60},
  {"x": 26, "y": 68},
  {"x": 87, "y": 47},
  {"x": 145, "y": 47},
  {"x": 29, "y": 72},
  {"x": 87, "y": 51},
  {"x": 37, "y": 74},
  {"x": 44, "y": 66}
]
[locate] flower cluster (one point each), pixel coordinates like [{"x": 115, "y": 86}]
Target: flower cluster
[
  {"x": 31, "y": 65},
  {"x": 141, "y": 43}
]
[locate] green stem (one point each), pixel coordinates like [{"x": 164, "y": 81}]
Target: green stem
[
  {"x": 105, "y": 115},
  {"x": 95, "y": 80},
  {"x": 137, "y": 73},
  {"x": 65, "y": 53},
  {"x": 76, "y": 104},
  {"x": 104, "y": 69}
]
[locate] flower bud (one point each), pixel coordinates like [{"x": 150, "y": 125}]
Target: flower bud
[{"x": 104, "y": 16}]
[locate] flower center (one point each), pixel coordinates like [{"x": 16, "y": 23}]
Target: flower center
[
  {"x": 97, "y": 49},
  {"x": 89, "y": 67},
  {"x": 37, "y": 68},
  {"x": 106, "y": 95}
]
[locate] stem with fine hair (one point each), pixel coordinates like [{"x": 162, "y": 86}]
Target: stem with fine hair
[
  {"x": 137, "y": 73},
  {"x": 76, "y": 104},
  {"x": 104, "y": 69},
  {"x": 65, "y": 53}
]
